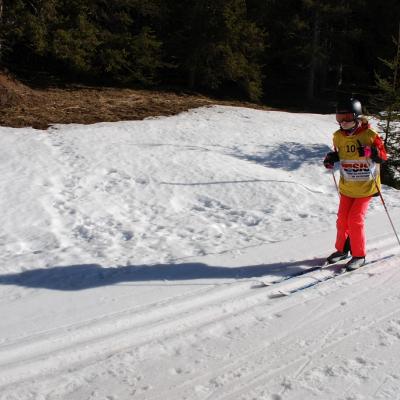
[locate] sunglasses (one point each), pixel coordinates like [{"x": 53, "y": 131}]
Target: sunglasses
[{"x": 347, "y": 117}]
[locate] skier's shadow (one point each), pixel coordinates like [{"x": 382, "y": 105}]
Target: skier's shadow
[{"x": 86, "y": 276}]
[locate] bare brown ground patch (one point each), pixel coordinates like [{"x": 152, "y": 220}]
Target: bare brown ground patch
[{"x": 22, "y": 106}]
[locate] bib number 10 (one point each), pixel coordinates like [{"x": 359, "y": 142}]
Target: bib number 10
[{"x": 351, "y": 148}]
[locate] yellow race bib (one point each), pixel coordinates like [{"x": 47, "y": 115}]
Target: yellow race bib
[{"x": 357, "y": 174}]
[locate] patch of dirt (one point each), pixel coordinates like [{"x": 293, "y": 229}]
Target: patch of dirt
[{"x": 22, "y": 106}]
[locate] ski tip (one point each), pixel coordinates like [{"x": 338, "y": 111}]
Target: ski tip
[
  {"x": 278, "y": 293},
  {"x": 261, "y": 284},
  {"x": 326, "y": 264},
  {"x": 265, "y": 283}
]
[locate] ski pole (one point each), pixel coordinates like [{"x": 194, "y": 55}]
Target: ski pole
[
  {"x": 383, "y": 201},
  {"x": 334, "y": 179}
]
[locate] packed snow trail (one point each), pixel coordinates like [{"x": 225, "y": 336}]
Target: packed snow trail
[
  {"x": 239, "y": 336},
  {"x": 222, "y": 324},
  {"x": 130, "y": 252}
]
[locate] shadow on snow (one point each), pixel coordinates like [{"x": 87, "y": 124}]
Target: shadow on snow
[
  {"x": 288, "y": 156},
  {"x": 86, "y": 276}
]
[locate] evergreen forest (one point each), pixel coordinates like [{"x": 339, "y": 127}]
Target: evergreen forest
[{"x": 261, "y": 50}]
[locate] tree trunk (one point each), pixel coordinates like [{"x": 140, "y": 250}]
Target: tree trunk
[
  {"x": 314, "y": 56},
  {"x": 389, "y": 120},
  {"x": 1, "y": 26}
]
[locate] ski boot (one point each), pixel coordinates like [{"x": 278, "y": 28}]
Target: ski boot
[
  {"x": 355, "y": 263},
  {"x": 336, "y": 256},
  {"x": 340, "y": 255}
]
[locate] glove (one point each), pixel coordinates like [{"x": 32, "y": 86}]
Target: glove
[
  {"x": 369, "y": 152},
  {"x": 330, "y": 159},
  {"x": 361, "y": 149}
]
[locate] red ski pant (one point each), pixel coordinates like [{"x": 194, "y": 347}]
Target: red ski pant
[{"x": 350, "y": 223}]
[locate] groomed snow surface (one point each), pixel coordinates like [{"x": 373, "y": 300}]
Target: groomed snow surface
[{"x": 131, "y": 255}]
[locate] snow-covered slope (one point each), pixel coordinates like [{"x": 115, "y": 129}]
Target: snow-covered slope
[{"x": 131, "y": 253}]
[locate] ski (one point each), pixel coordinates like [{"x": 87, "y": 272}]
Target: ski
[
  {"x": 313, "y": 278},
  {"x": 308, "y": 280},
  {"x": 269, "y": 280}
]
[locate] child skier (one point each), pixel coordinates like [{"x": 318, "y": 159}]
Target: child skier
[{"x": 360, "y": 151}]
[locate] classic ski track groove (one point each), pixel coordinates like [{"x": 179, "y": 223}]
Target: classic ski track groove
[
  {"x": 70, "y": 343},
  {"x": 109, "y": 318},
  {"x": 203, "y": 323},
  {"x": 101, "y": 333}
]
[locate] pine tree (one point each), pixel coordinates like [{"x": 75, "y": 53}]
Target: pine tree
[
  {"x": 309, "y": 41},
  {"x": 216, "y": 46},
  {"x": 388, "y": 101},
  {"x": 129, "y": 50}
]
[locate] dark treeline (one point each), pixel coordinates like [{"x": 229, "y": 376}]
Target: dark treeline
[{"x": 267, "y": 50}]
